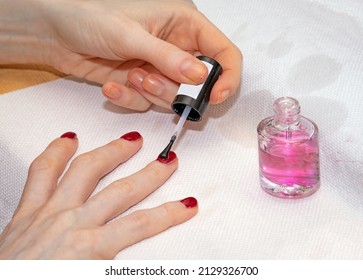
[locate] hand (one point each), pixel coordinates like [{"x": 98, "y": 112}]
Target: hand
[
  {"x": 59, "y": 220},
  {"x": 140, "y": 50}
]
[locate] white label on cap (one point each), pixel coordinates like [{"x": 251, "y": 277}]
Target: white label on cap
[{"x": 193, "y": 90}]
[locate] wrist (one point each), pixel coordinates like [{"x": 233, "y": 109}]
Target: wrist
[{"x": 24, "y": 35}]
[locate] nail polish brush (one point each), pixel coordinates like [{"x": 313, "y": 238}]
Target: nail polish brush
[
  {"x": 177, "y": 130},
  {"x": 191, "y": 100}
]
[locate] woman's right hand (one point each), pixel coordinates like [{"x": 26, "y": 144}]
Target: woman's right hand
[{"x": 140, "y": 50}]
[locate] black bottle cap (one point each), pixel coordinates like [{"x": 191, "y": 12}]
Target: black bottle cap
[{"x": 197, "y": 96}]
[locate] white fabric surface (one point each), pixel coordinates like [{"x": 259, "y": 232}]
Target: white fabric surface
[{"x": 311, "y": 50}]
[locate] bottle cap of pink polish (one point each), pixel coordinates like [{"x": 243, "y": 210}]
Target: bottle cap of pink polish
[{"x": 197, "y": 96}]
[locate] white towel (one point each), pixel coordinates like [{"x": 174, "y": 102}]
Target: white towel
[{"x": 310, "y": 50}]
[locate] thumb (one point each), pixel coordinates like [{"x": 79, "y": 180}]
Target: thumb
[{"x": 173, "y": 62}]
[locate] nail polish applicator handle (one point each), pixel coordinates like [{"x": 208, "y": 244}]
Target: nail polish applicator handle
[
  {"x": 182, "y": 120},
  {"x": 177, "y": 130}
]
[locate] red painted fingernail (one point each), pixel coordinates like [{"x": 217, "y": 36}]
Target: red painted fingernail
[
  {"x": 131, "y": 136},
  {"x": 189, "y": 202},
  {"x": 69, "y": 134},
  {"x": 170, "y": 158}
]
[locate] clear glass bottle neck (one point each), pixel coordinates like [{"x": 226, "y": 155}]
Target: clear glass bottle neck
[{"x": 287, "y": 112}]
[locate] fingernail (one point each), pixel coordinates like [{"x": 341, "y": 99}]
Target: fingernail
[
  {"x": 69, "y": 134},
  {"x": 189, "y": 202},
  {"x": 153, "y": 85},
  {"x": 195, "y": 71},
  {"x": 137, "y": 77},
  {"x": 112, "y": 92},
  {"x": 223, "y": 95},
  {"x": 131, "y": 136},
  {"x": 170, "y": 158}
]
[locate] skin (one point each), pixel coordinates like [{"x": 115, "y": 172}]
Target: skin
[
  {"x": 139, "y": 50},
  {"x": 59, "y": 220}
]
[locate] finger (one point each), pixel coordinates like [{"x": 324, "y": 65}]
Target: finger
[
  {"x": 85, "y": 171},
  {"x": 154, "y": 86},
  {"x": 227, "y": 54},
  {"x": 157, "y": 101},
  {"x": 45, "y": 170},
  {"x": 99, "y": 70},
  {"x": 228, "y": 83},
  {"x": 144, "y": 224},
  {"x": 165, "y": 56},
  {"x": 161, "y": 87},
  {"x": 126, "y": 192},
  {"x": 205, "y": 38},
  {"x": 124, "y": 96}
]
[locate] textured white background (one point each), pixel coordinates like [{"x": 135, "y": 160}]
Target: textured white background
[{"x": 311, "y": 50}]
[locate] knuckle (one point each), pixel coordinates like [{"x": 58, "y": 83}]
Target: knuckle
[
  {"x": 155, "y": 174},
  {"x": 125, "y": 187},
  {"x": 118, "y": 145},
  {"x": 81, "y": 242},
  {"x": 144, "y": 107},
  {"x": 86, "y": 159},
  {"x": 141, "y": 221},
  {"x": 141, "y": 106},
  {"x": 168, "y": 213},
  {"x": 43, "y": 163},
  {"x": 126, "y": 101},
  {"x": 68, "y": 217},
  {"x": 133, "y": 101}
]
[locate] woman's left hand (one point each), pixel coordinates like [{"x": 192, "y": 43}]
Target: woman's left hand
[{"x": 59, "y": 219}]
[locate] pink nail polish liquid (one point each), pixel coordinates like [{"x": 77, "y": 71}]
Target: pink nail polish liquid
[{"x": 288, "y": 152}]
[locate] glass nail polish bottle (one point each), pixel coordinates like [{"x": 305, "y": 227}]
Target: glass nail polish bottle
[{"x": 288, "y": 151}]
